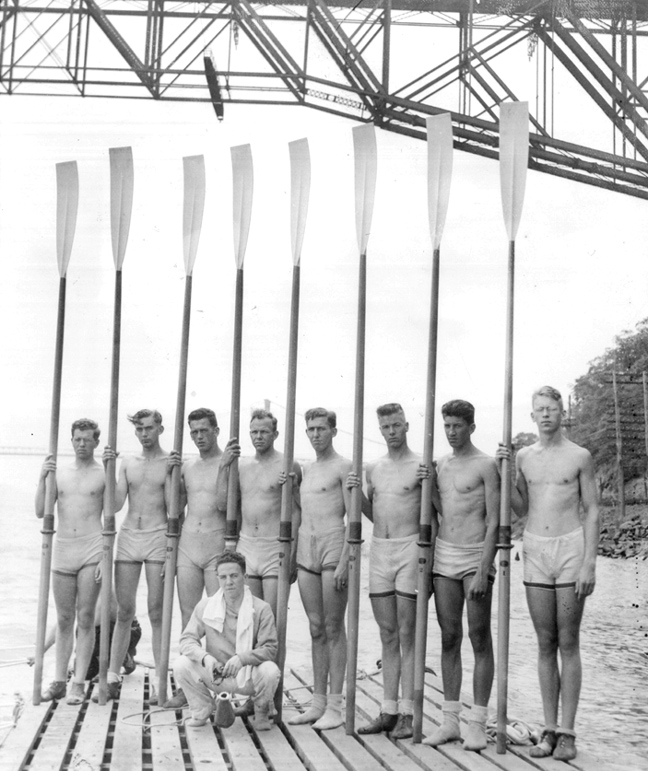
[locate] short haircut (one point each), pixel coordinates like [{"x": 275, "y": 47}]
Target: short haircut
[
  {"x": 201, "y": 413},
  {"x": 85, "y": 424},
  {"x": 231, "y": 556},
  {"x": 550, "y": 392},
  {"x": 321, "y": 412},
  {"x": 139, "y": 416},
  {"x": 389, "y": 409},
  {"x": 262, "y": 415},
  {"x": 459, "y": 408}
]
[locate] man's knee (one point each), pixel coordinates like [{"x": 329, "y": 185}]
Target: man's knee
[
  {"x": 182, "y": 668},
  {"x": 268, "y": 674},
  {"x": 480, "y": 639}
]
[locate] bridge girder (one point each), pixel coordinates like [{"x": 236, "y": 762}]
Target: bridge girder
[{"x": 392, "y": 62}]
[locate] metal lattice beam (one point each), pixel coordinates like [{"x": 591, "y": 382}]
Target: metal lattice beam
[{"x": 393, "y": 62}]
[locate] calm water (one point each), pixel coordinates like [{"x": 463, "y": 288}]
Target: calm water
[{"x": 612, "y": 718}]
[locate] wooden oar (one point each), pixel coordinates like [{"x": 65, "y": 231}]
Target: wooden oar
[
  {"x": 243, "y": 188},
  {"x": 67, "y": 202},
  {"x": 300, "y": 173},
  {"x": 514, "y": 159},
  {"x": 364, "y": 143},
  {"x": 194, "y": 205},
  {"x": 439, "y": 131},
  {"x": 121, "y": 207}
]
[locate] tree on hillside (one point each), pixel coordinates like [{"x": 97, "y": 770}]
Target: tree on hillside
[
  {"x": 523, "y": 439},
  {"x": 593, "y": 416}
]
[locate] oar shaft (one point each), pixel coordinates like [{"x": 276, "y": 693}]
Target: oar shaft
[
  {"x": 504, "y": 538},
  {"x": 425, "y": 526},
  {"x": 355, "y": 515},
  {"x": 173, "y": 528},
  {"x": 50, "y": 498},
  {"x": 285, "y": 527},
  {"x": 231, "y": 524},
  {"x": 109, "y": 497}
]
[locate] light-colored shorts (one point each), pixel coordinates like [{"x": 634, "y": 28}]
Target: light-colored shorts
[
  {"x": 137, "y": 546},
  {"x": 316, "y": 553},
  {"x": 393, "y": 567},
  {"x": 553, "y": 562},
  {"x": 458, "y": 560},
  {"x": 70, "y": 555},
  {"x": 261, "y": 556},
  {"x": 200, "y": 550}
]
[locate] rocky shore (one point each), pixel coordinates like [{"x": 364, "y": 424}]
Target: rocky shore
[{"x": 624, "y": 540}]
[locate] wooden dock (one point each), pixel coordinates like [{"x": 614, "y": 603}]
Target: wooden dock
[{"x": 128, "y": 735}]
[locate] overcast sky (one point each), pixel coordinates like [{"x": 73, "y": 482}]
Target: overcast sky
[{"x": 581, "y": 274}]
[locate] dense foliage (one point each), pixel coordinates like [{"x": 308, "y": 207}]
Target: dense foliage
[{"x": 593, "y": 415}]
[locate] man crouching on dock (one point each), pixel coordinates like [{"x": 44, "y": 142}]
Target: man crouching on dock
[
  {"x": 77, "y": 555},
  {"x": 241, "y": 647},
  {"x": 555, "y": 477}
]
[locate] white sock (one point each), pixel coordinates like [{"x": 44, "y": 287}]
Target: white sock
[
  {"x": 389, "y": 707},
  {"x": 406, "y": 707},
  {"x": 449, "y": 729},
  {"x": 313, "y": 713},
  {"x": 113, "y": 677}
]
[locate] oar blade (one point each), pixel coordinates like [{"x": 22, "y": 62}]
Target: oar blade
[
  {"x": 366, "y": 165},
  {"x": 67, "y": 205},
  {"x": 514, "y": 159},
  {"x": 243, "y": 189},
  {"x": 300, "y": 177},
  {"x": 194, "y": 206},
  {"x": 439, "y": 134},
  {"x": 121, "y": 200}
]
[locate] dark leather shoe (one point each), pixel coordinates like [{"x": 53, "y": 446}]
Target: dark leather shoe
[
  {"x": 383, "y": 722},
  {"x": 245, "y": 710},
  {"x": 176, "y": 702},
  {"x": 403, "y": 728}
]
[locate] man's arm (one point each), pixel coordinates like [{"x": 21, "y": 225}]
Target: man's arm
[
  {"x": 591, "y": 527},
  {"x": 491, "y": 479},
  {"x": 296, "y": 519},
  {"x": 342, "y": 570},
  {"x": 48, "y": 467},
  {"x": 265, "y": 648},
  {"x": 231, "y": 451},
  {"x": 121, "y": 489}
]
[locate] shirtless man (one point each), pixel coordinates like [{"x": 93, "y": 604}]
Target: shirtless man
[
  {"x": 77, "y": 555},
  {"x": 464, "y": 551},
  {"x": 555, "y": 479},
  {"x": 141, "y": 540},
  {"x": 322, "y": 562},
  {"x": 203, "y": 530},
  {"x": 260, "y": 498},
  {"x": 393, "y": 504}
]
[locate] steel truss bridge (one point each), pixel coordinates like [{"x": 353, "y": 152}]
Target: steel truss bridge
[{"x": 391, "y": 62}]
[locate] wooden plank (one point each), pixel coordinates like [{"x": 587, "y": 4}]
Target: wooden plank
[
  {"x": 350, "y": 751},
  {"x": 20, "y": 740},
  {"x": 314, "y": 753},
  {"x": 50, "y": 753},
  {"x": 280, "y": 753},
  {"x": 91, "y": 742},
  {"x": 127, "y": 743},
  {"x": 166, "y": 750},
  {"x": 204, "y": 749},
  {"x": 242, "y": 751}
]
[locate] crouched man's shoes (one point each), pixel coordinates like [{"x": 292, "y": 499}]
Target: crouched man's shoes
[{"x": 383, "y": 722}]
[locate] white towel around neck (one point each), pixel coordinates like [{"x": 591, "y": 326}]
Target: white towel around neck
[{"x": 214, "y": 616}]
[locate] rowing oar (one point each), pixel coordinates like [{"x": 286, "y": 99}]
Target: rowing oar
[
  {"x": 194, "y": 204},
  {"x": 121, "y": 207},
  {"x": 67, "y": 201},
  {"x": 243, "y": 187},
  {"x": 364, "y": 144},
  {"x": 439, "y": 131},
  {"x": 300, "y": 173},
  {"x": 514, "y": 158}
]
